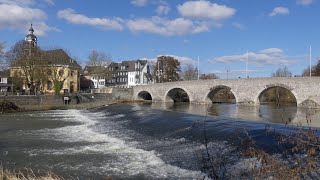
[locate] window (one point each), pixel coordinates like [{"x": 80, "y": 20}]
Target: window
[
  {"x": 72, "y": 73},
  {"x": 61, "y": 72},
  {"x": 49, "y": 72},
  {"x": 49, "y": 85}
]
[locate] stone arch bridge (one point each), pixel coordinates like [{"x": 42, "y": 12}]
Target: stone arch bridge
[{"x": 246, "y": 91}]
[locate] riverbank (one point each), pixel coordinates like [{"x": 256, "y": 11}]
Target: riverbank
[
  {"x": 57, "y": 102},
  {"x": 9, "y": 107},
  {"x": 26, "y": 174}
]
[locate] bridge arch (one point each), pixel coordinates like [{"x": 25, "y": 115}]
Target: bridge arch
[
  {"x": 213, "y": 91},
  {"x": 177, "y": 94},
  {"x": 144, "y": 95},
  {"x": 261, "y": 92}
]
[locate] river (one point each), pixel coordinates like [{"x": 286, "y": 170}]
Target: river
[{"x": 135, "y": 141}]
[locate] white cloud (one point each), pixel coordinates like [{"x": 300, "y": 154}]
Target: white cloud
[
  {"x": 166, "y": 27},
  {"x": 305, "y": 2},
  {"x": 156, "y": 24},
  {"x": 41, "y": 28},
  {"x": 139, "y": 2},
  {"x": 205, "y": 10},
  {"x": 279, "y": 11},
  {"x": 18, "y": 2},
  {"x": 71, "y": 16},
  {"x": 238, "y": 25},
  {"x": 272, "y": 51},
  {"x": 18, "y": 14},
  {"x": 269, "y": 56},
  {"x": 163, "y": 9},
  {"x": 182, "y": 59},
  {"x": 50, "y": 2}
]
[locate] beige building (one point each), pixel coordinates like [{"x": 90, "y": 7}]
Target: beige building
[{"x": 50, "y": 71}]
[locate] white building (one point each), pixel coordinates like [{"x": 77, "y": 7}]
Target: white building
[
  {"x": 129, "y": 73},
  {"x": 4, "y": 81},
  {"x": 95, "y": 74}
]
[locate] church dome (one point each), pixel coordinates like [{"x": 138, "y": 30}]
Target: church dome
[{"x": 31, "y": 38}]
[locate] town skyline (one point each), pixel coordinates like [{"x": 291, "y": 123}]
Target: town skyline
[{"x": 222, "y": 33}]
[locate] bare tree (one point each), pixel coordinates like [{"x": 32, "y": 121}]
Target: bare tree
[
  {"x": 96, "y": 58},
  {"x": 1, "y": 48},
  {"x": 208, "y": 76},
  {"x": 98, "y": 62},
  {"x": 16, "y": 52},
  {"x": 2, "y": 62},
  {"x": 167, "y": 69},
  {"x": 28, "y": 64},
  {"x": 190, "y": 72},
  {"x": 282, "y": 72},
  {"x": 315, "y": 70}
]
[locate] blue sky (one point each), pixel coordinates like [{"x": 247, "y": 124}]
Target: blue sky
[{"x": 221, "y": 32}]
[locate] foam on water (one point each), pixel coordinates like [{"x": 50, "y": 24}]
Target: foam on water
[{"x": 129, "y": 160}]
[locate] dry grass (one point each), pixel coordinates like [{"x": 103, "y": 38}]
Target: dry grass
[
  {"x": 298, "y": 160},
  {"x": 29, "y": 174},
  {"x": 26, "y": 174},
  {"x": 298, "y": 156}
]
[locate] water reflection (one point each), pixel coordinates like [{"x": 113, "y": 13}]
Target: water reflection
[{"x": 286, "y": 114}]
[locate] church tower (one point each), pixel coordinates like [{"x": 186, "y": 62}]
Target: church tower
[{"x": 31, "y": 40}]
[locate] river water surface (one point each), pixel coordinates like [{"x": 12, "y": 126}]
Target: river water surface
[{"x": 135, "y": 141}]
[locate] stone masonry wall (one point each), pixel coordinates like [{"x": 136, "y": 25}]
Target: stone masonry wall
[
  {"x": 35, "y": 100},
  {"x": 246, "y": 90}
]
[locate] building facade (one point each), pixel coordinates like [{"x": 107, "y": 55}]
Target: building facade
[
  {"x": 50, "y": 71},
  {"x": 97, "y": 75},
  {"x": 129, "y": 73}
]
